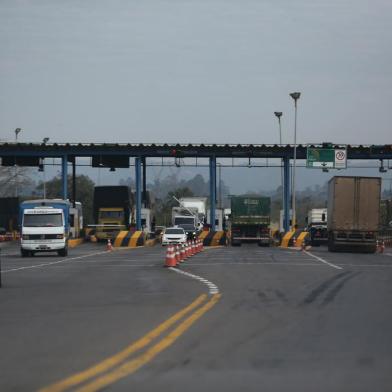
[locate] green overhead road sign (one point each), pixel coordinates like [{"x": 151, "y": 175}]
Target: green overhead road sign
[{"x": 326, "y": 158}]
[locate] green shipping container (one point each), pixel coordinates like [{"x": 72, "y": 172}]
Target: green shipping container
[{"x": 250, "y": 210}]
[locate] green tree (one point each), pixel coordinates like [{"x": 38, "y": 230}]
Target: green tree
[{"x": 84, "y": 192}]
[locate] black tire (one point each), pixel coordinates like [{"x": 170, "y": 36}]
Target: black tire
[
  {"x": 235, "y": 243},
  {"x": 63, "y": 252}
]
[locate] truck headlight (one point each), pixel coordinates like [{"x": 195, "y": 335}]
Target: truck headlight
[{"x": 60, "y": 236}]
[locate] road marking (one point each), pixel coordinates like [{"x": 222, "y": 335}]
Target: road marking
[
  {"x": 322, "y": 260},
  {"x": 133, "y": 365},
  {"x": 52, "y": 262},
  {"x": 213, "y": 289},
  {"x": 116, "y": 359}
]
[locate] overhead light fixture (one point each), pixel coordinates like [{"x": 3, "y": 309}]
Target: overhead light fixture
[
  {"x": 45, "y": 140},
  {"x": 112, "y": 169}
]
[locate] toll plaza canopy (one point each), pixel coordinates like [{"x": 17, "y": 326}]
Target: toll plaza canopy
[
  {"x": 186, "y": 150},
  {"x": 117, "y": 156}
]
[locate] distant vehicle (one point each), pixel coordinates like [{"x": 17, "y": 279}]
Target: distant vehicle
[
  {"x": 353, "y": 213},
  {"x": 174, "y": 235},
  {"x": 317, "y": 226},
  {"x": 250, "y": 220},
  {"x": 145, "y": 219},
  {"x": 188, "y": 223},
  {"x": 199, "y": 205},
  {"x": 44, "y": 226},
  {"x": 112, "y": 211}
]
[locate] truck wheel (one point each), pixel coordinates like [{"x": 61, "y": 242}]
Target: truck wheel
[
  {"x": 235, "y": 243},
  {"x": 63, "y": 252}
]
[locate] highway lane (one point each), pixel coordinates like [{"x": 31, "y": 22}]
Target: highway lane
[{"x": 286, "y": 319}]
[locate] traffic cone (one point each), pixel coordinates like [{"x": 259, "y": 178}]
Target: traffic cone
[
  {"x": 182, "y": 253},
  {"x": 188, "y": 250},
  {"x": 109, "y": 246},
  {"x": 170, "y": 257},
  {"x": 382, "y": 248},
  {"x": 178, "y": 256},
  {"x": 377, "y": 246},
  {"x": 193, "y": 247}
]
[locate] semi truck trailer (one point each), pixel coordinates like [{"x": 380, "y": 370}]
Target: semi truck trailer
[
  {"x": 250, "y": 220},
  {"x": 353, "y": 213}
]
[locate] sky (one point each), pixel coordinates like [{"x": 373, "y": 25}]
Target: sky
[{"x": 195, "y": 71}]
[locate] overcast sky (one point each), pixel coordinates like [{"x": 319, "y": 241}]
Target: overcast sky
[{"x": 196, "y": 70}]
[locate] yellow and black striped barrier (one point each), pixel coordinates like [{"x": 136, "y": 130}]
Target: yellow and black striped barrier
[
  {"x": 130, "y": 239},
  {"x": 213, "y": 238},
  {"x": 294, "y": 238}
]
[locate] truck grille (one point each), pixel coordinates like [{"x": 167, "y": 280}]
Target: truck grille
[{"x": 40, "y": 236}]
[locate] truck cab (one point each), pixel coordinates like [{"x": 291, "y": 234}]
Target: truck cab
[
  {"x": 317, "y": 226},
  {"x": 110, "y": 222},
  {"x": 188, "y": 223}
]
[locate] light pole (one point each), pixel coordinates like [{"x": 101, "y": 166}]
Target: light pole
[
  {"x": 44, "y": 141},
  {"x": 17, "y": 131},
  {"x": 295, "y": 96},
  {"x": 279, "y": 115}
]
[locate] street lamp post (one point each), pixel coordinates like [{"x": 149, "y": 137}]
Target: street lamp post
[
  {"x": 295, "y": 96},
  {"x": 44, "y": 141},
  {"x": 279, "y": 115},
  {"x": 17, "y": 131}
]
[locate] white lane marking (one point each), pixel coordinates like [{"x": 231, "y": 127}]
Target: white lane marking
[
  {"x": 212, "y": 288},
  {"x": 277, "y": 263},
  {"x": 322, "y": 260},
  {"x": 52, "y": 262}
]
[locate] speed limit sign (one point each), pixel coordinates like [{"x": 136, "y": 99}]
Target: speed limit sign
[{"x": 340, "y": 159}]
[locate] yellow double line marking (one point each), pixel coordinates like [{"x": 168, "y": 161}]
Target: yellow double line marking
[{"x": 117, "y": 366}]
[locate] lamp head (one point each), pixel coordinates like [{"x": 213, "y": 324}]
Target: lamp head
[
  {"x": 278, "y": 114},
  {"x": 17, "y": 130},
  {"x": 45, "y": 140},
  {"x": 295, "y": 95}
]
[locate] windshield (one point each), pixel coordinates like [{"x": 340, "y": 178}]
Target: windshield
[
  {"x": 174, "y": 231},
  {"x": 111, "y": 214},
  {"x": 43, "y": 220},
  {"x": 186, "y": 221}
]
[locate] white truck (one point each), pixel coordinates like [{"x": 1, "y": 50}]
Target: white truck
[
  {"x": 44, "y": 226},
  {"x": 198, "y": 204},
  {"x": 187, "y": 219}
]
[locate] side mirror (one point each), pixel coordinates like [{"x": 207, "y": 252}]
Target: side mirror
[{"x": 323, "y": 217}]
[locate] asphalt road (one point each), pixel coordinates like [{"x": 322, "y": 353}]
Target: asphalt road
[{"x": 283, "y": 320}]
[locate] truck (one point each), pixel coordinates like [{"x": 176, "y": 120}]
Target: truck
[
  {"x": 197, "y": 204},
  {"x": 44, "y": 226},
  {"x": 353, "y": 213},
  {"x": 317, "y": 226},
  {"x": 187, "y": 219},
  {"x": 250, "y": 220},
  {"x": 112, "y": 210}
]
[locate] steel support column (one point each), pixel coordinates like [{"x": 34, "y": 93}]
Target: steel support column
[
  {"x": 138, "y": 192},
  {"x": 212, "y": 191},
  {"x": 74, "y": 182},
  {"x": 144, "y": 192},
  {"x": 286, "y": 185},
  {"x": 64, "y": 176}
]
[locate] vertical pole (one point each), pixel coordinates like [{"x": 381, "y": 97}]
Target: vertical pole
[
  {"x": 144, "y": 194},
  {"x": 286, "y": 186},
  {"x": 74, "y": 181},
  {"x": 138, "y": 193},
  {"x": 64, "y": 174},
  {"x": 212, "y": 191},
  {"x": 294, "y": 219}
]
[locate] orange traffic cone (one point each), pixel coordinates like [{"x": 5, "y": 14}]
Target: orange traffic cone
[
  {"x": 188, "y": 250},
  {"x": 178, "y": 256},
  {"x": 109, "y": 246},
  {"x": 182, "y": 253},
  {"x": 382, "y": 247},
  {"x": 170, "y": 257}
]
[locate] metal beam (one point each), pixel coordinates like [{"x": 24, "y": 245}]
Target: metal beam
[
  {"x": 286, "y": 186},
  {"x": 212, "y": 191},
  {"x": 74, "y": 182},
  {"x": 64, "y": 176},
  {"x": 144, "y": 193},
  {"x": 138, "y": 193}
]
